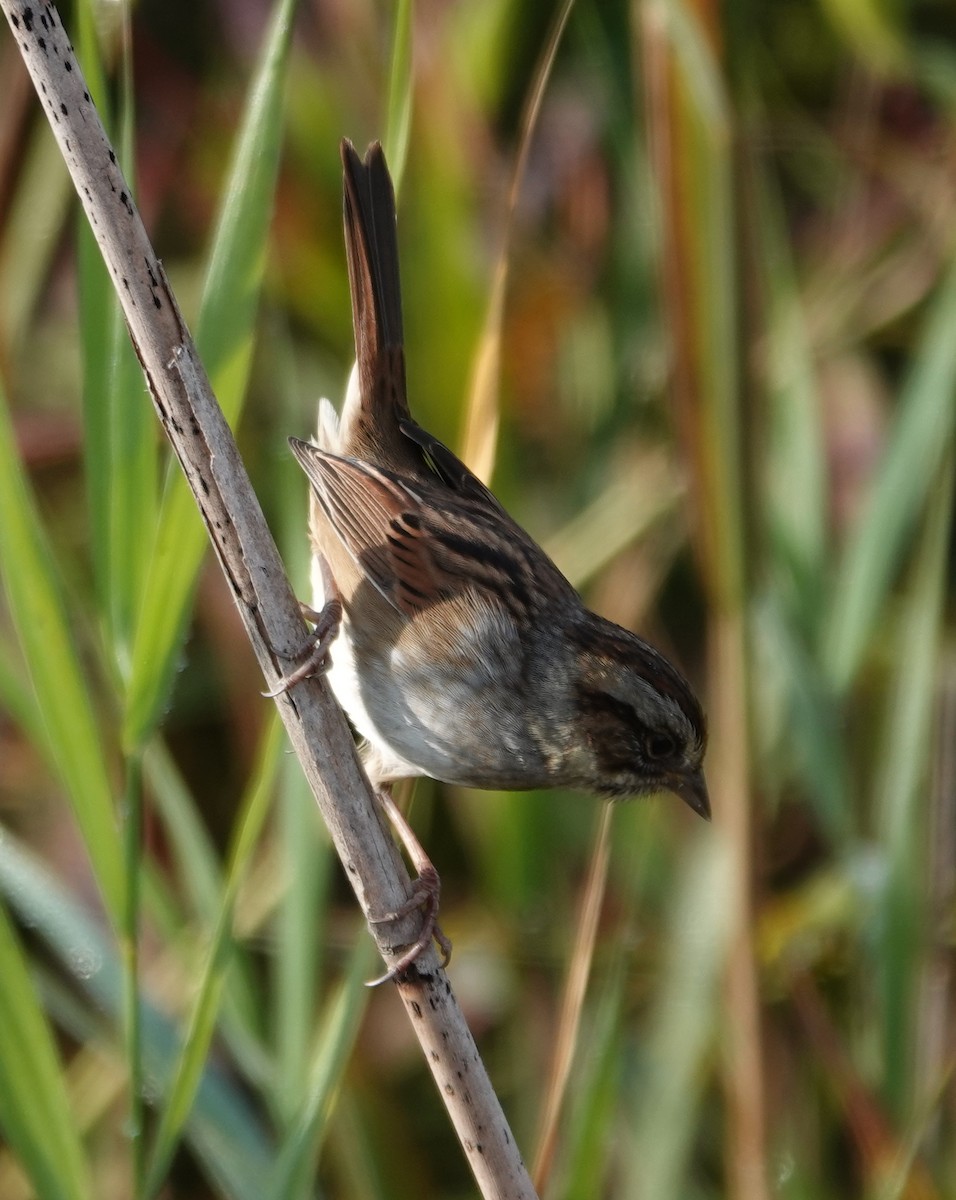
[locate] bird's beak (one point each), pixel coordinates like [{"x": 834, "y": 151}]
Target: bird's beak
[{"x": 692, "y": 789}]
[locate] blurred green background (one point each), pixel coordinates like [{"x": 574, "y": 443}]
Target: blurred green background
[{"x": 709, "y": 343}]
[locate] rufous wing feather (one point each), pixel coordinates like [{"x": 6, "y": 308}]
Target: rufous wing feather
[{"x": 379, "y": 523}]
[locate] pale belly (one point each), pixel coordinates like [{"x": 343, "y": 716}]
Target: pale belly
[{"x": 459, "y": 719}]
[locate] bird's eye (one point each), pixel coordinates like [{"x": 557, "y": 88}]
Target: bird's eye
[{"x": 660, "y": 745}]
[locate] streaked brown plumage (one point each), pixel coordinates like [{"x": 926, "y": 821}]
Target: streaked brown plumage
[{"x": 464, "y": 653}]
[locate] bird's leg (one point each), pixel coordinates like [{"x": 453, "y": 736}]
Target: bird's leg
[
  {"x": 315, "y": 651},
  {"x": 426, "y": 890}
]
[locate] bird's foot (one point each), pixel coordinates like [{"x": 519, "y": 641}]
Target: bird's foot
[
  {"x": 315, "y": 651},
  {"x": 425, "y": 894},
  {"x": 426, "y": 890}
]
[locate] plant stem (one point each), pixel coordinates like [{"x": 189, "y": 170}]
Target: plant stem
[{"x": 203, "y": 442}]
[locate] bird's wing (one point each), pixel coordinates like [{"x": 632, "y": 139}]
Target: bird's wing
[{"x": 418, "y": 548}]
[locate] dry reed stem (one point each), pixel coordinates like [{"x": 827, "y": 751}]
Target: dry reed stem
[
  {"x": 569, "y": 1023},
  {"x": 707, "y": 423},
  {"x": 480, "y": 439},
  {"x": 201, "y": 438}
]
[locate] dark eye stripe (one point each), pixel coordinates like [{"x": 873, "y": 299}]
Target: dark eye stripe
[{"x": 617, "y": 736}]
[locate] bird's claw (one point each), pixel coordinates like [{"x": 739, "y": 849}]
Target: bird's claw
[
  {"x": 315, "y": 651},
  {"x": 426, "y": 891}
]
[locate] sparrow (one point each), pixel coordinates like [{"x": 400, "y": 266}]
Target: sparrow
[{"x": 454, "y": 644}]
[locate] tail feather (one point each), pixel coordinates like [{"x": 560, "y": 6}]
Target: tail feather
[{"x": 371, "y": 241}]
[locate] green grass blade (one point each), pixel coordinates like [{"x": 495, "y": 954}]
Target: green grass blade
[
  {"x": 794, "y": 472},
  {"x": 31, "y": 232},
  {"x": 923, "y": 429},
  {"x": 134, "y": 474},
  {"x": 482, "y": 415},
  {"x": 902, "y": 791},
  {"x": 134, "y": 468},
  {"x": 682, "y": 1028},
  {"x": 130, "y": 949},
  {"x": 223, "y": 1128},
  {"x": 399, "y": 119},
  {"x": 799, "y": 715},
  {"x": 202, "y": 1021},
  {"x": 194, "y": 857},
  {"x": 224, "y": 336},
  {"x": 199, "y": 884},
  {"x": 629, "y": 505},
  {"x": 17, "y": 700},
  {"x": 294, "y": 1164},
  {"x": 40, "y": 618},
  {"x": 234, "y": 275},
  {"x": 96, "y": 322},
  {"x": 119, "y": 431},
  {"x": 307, "y": 859},
  {"x": 98, "y": 310},
  {"x": 34, "y": 1111},
  {"x": 72, "y": 935},
  {"x": 595, "y": 1093}
]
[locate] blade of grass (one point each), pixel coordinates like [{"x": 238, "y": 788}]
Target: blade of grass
[
  {"x": 199, "y": 883},
  {"x": 585, "y": 1164},
  {"x": 129, "y": 948},
  {"x": 98, "y": 313},
  {"x": 92, "y": 1081},
  {"x": 40, "y": 618},
  {"x": 799, "y": 717},
  {"x": 902, "y": 795},
  {"x": 682, "y": 1031},
  {"x": 34, "y": 1111},
  {"x": 626, "y": 509},
  {"x": 129, "y": 510},
  {"x": 923, "y": 429},
  {"x": 224, "y": 336},
  {"x": 119, "y": 443},
  {"x": 194, "y": 857},
  {"x": 306, "y": 857},
  {"x": 690, "y": 135},
  {"x": 794, "y": 478},
  {"x": 31, "y": 235},
  {"x": 187, "y": 1070},
  {"x": 18, "y": 701},
  {"x": 906, "y": 1177},
  {"x": 572, "y": 1008},
  {"x": 354, "y": 1154},
  {"x": 872, "y": 31},
  {"x": 133, "y": 457},
  {"x": 223, "y": 1128},
  {"x": 295, "y": 1161},
  {"x": 480, "y": 436},
  {"x": 400, "y": 79}
]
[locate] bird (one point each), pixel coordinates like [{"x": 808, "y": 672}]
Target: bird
[{"x": 455, "y": 645}]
